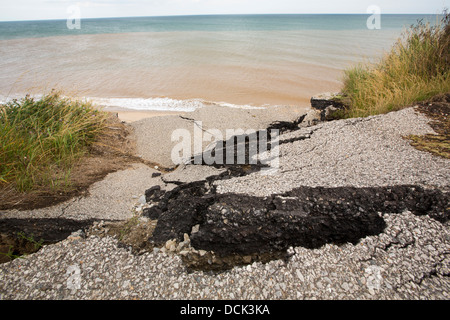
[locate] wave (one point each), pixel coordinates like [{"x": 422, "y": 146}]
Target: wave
[
  {"x": 9, "y": 98},
  {"x": 153, "y": 104},
  {"x": 161, "y": 104},
  {"x": 146, "y": 104}
]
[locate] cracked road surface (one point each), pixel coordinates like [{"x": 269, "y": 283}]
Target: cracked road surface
[{"x": 407, "y": 259}]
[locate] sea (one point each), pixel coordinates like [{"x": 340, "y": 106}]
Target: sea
[{"x": 181, "y": 63}]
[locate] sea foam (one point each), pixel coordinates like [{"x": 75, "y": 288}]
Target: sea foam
[
  {"x": 143, "y": 104},
  {"x": 161, "y": 104},
  {"x": 153, "y": 104}
]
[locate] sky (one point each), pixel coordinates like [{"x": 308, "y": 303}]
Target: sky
[{"x": 62, "y": 9}]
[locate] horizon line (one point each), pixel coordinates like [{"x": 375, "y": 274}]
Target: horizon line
[{"x": 215, "y": 14}]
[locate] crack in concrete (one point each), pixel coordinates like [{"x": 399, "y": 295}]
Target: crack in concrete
[
  {"x": 195, "y": 123},
  {"x": 64, "y": 208}
]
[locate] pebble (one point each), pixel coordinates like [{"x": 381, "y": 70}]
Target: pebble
[
  {"x": 142, "y": 200},
  {"x": 300, "y": 275}
]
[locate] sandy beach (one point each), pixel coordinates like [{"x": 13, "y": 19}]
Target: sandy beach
[{"x": 130, "y": 116}]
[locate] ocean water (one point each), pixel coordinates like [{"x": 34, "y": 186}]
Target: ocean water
[{"x": 182, "y": 63}]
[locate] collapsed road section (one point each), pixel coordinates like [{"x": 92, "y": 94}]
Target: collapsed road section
[{"x": 229, "y": 228}]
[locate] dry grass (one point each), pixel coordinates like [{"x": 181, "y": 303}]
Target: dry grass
[
  {"x": 417, "y": 68},
  {"x": 438, "y": 110}
]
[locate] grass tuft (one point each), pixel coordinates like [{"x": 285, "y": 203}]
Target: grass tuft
[{"x": 41, "y": 139}]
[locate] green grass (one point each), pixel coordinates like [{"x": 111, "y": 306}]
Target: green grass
[
  {"x": 41, "y": 139},
  {"x": 417, "y": 68}
]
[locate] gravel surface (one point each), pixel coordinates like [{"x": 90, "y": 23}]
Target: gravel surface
[
  {"x": 364, "y": 152},
  {"x": 112, "y": 198},
  {"x": 409, "y": 260}
]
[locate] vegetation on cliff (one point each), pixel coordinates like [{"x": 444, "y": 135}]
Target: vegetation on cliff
[{"x": 416, "y": 69}]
